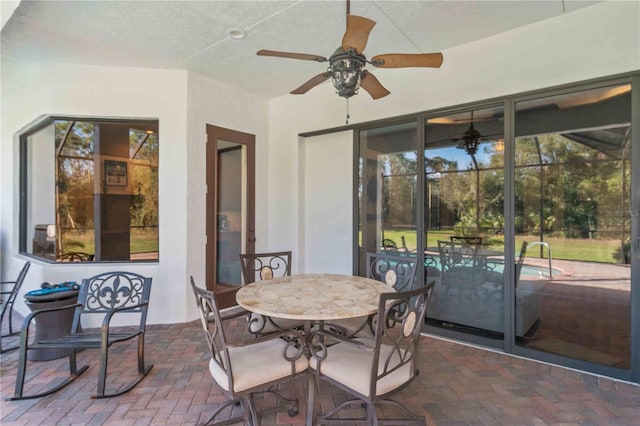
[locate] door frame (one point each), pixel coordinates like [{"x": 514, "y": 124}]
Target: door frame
[{"x": 214, "y": 134}]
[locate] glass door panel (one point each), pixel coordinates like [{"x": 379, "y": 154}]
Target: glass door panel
[
  {"x": 464, "y": 220},
  {"x": 231, "y": 212},
  {"x": 387, "y": 192},
  {"x": 572, "y": 208}
]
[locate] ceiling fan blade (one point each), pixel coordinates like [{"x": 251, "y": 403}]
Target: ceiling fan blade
[
  {"x": 357, "y": 34},
  {"x": 303, "y": 56},
  {"x": 371, "y": 84},
  {"x": 403, "y": 60},
  {"x": 313, "y": 82}
]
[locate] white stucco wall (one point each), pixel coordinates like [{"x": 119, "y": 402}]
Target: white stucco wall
[
  {"x": 326, "y": 164},
  {"x": 211, "y": 102},
  {"x": 596, "y": 41},
  {"x": 103, "y": 92}
]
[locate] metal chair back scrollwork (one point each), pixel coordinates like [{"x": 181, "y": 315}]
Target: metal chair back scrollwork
[
  {"x": 466, "y": 240},
  {"x": 396, "y": 271},
  {"x": 262, "y": 267},
  {"x": 76, "y": 256},
  {"x": 389, "y": 246},
  {"x": 265, "y": 266},
  {"x": 109, "y": 295}
]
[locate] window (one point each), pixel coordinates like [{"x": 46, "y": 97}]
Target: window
[{"x": 89, "y": 190}]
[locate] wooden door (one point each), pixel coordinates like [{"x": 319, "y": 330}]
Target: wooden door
[{"x": 230, "y": 223}]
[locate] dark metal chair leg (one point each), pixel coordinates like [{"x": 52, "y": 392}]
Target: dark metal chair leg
[{"x": 102, "y": 377}]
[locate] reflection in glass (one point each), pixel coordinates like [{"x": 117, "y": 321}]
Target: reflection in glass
[
  {"x": 387, "y": 191},
  {"x": 464, "y": 220},
  {"x": 92, "y": 191},
  {"x": 572, "y": 200}
]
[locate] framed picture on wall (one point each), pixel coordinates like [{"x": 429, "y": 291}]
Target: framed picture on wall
[{"x": 115, "y": 173}]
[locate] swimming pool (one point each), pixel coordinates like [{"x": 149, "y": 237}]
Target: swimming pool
[{"x": 538, "y": 271}]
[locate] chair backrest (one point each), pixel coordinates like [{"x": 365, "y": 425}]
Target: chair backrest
[
  {"x": 265, "y": 266},
  {"x": 397, "y": 271},
  {"x": 75, "y": 256},
  {"x": 389, "y": 246},
  {"x": 214, "y": 335},
  {"x": 110, "y": 290},
  {"x": 17, "y": 284},
  {"x": 397, "y": 336},
  {"x": 467, "y": 240},
  {"x": 453, "y": 254}
]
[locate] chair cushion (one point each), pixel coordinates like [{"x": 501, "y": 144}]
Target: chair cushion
[
  {"x": 256, "y": 364},
  {"x": 351, "y": 365}
]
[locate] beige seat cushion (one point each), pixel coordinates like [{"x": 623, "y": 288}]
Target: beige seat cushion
[
  {"x": 256, "y": 364},
  {"x": 351, "y": 366}
]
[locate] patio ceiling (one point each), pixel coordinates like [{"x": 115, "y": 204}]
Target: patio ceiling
[{"x": 195, "y": 35}]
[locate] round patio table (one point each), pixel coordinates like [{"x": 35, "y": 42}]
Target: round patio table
[{"x": 312, "y": 298}]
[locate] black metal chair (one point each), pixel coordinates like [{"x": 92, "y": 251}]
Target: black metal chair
[
  {"x": 466, "y": 240},
  {"x": 265, "y": 266},
  {"x": 389, "y": 246},
  {"x": 7, "y": 304},
  {"x": 109, "y": 294},
  {"x": 244, "y": 369},
  {"x": 373, "y": 373},
  {"x": 261, "y": 267},
  {"x": 398, "y": 272},
  {"x": 76, "y": 256}
]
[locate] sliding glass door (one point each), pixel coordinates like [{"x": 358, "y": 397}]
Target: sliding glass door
[
  {"x": 573, "y": 208},
  {"x": 522, "y": 211},
  {"x": 387, "y": 192},
  {"x": 464, "y": 220}
]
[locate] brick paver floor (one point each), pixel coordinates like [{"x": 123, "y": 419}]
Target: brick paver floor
[{"x": 457, "y": 385}]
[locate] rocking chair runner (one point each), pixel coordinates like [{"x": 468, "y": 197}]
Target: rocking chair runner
[
  {"x": 109, "y": 294},
  {"x": 7, "y": 304}
]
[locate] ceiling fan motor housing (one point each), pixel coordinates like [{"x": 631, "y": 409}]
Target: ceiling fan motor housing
[{"x": 346, "y": 71}]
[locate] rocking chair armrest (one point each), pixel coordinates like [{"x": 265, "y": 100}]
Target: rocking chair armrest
[
  {"x": 107, "y": 318},
  {"x": 32, "y": 315}
]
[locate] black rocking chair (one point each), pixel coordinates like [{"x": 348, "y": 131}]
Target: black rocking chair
[{"x": 109, "y": 294}]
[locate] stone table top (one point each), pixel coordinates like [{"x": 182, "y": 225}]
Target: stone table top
[{"x": 313, "y": 297}]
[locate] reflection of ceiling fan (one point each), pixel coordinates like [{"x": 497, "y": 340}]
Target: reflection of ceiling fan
[
  {"x": 346, "y": 65},
  {"x": 470, "y": 139}
]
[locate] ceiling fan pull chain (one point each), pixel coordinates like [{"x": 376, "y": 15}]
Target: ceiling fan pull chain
[{"x": 348, "y": 117}]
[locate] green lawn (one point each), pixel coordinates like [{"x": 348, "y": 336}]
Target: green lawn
[
  {"x": 142, "y": 240},
  {"x": 561, "y": 248}
]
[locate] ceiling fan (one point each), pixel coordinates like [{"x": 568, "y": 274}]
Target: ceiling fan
[{"x": 347, "y": 63}]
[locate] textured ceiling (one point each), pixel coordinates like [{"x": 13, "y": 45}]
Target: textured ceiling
[{"x": 194, "y": 35}]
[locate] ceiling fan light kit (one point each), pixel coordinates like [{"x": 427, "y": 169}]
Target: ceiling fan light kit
[{"x": 346, "y": 71}]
